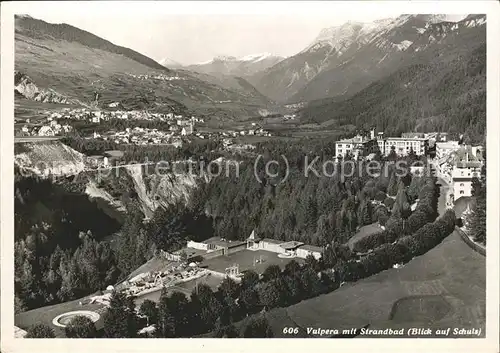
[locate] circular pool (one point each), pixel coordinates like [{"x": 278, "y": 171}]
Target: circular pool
[{"x": 64, "y": 319}]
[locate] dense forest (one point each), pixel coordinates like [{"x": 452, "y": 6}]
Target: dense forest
[
  {"x": 59, "y": 253},
  {"x": 449, "y": 96}
]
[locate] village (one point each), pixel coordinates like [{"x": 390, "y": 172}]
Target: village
[{"x": 171, "y": 127}]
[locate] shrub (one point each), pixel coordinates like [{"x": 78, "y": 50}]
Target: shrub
[
  {"x": 389, "y": 202},
  {"x": 40, "y": 331},
  {"x": 81, "y": 327}
]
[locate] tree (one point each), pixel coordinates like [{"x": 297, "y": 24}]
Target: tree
[
  {"x": 273, "y": 293},
  {"x": 167, "y": 228},
  {"x": 40, "y": 331},
  {"x": 312, "y": 263},
  {"x": 257, "y": 327},
  {"x": 81, "y": 327},
  {"x": 402, "y": 207},
  {"x": 382, "y": 215},
  {"x": 249, "y": 300},
  {"x": 392, "y": 155},
  {"x": 250, "y": 279},
  {"x": 392, "y": 188},
  {"x": 292, "y": 268},
  {"x": 177, "y": 304},
  {"x": 271, "y": 272},
  {"x": 227, "y": 331},
  {"x": 477, "y": 224},
  {"x": 229, "y": 288},
  {"x": 310, "y": 283},
  {"x": 120, "y": 320},
  {"x": 149, "y": 309}
]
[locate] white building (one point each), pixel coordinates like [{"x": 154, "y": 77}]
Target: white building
[
  {"x": 46, "y": 131},
  {"x": 187, "y": 130},
  {"x": 465, "y": 165},
  {"x": 444, "y": 149},
  {"x": 403, "y": 145},
  {"x": 304, "y": 251},
  {"x": 355, "y": 146}
]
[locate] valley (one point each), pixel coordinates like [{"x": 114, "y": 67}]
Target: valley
[{"x": 169, "y": 200}]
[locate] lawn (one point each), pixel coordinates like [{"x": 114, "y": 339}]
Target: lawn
[
  {"x": 245, "y": 259},
  {"x": 442, "y": 288},
  {"x": 46, "y": 314}
]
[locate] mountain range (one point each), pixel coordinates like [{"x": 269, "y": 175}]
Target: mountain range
[
  {"x": 342, "y": 64},
  {"x": 59, "y": 61},
  {"x": 442, "y": 89},
  {"x": 344, "y": 59},
  {"x": 242, "y": 66}
]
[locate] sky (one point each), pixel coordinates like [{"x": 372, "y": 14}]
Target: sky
[
  {"x": 195, "y": 38},
  {"x": 194, "y": 32}
]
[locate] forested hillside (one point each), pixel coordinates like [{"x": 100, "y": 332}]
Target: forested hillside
[{"x": 448, "y": 96}]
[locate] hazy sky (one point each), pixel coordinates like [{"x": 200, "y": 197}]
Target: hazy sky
[
  {"x": 196, "y": 38},
  {"x": 193, "y": 32}
]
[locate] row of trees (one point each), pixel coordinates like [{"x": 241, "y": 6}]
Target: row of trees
[
  {"x": 477, "y": 224},
  {"x": 402, "y": 221},
  {"x": 402, "y": 250},
  {"x": 176, "y": 315}
]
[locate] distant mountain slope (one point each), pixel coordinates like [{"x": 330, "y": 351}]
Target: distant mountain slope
[
  {"x": 448, "y": 95},
  {"x": 344, "y": 59},
  {"x": 230, "y": 65},
  {"x": 38, "y": 29},
  {"x": 75, "y": 65},
  {"x": 235, "y": 83}
]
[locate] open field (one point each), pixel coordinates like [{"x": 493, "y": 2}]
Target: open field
[
  {"x": 442, "y": 288},
  {"x": 245, "y": 259},
  {"x": 46, "y": 314},
  {"x": 34, "y": 110},
  {"x": 364, "y": 232}
]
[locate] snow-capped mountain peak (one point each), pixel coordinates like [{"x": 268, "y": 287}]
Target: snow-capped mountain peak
[
  {"x": 340, "y": 37},
  {"x": 257, "y": 57},
  {"x": 238, "y": 66},
  {"x": 167, "y": 62},
  {"x": 246, "y": 58}
]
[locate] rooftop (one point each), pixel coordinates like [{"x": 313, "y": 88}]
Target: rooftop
[
  {"x": 312, "y": 248},
  {"x": 355, "y": 139},
  {"x": 272, "y": 241},
  {"x": 407, "y": 138},
  {"x": 289, "y": 245},
  {"x": 464, "y": 157},
  {"x": 223, "y": 242}
]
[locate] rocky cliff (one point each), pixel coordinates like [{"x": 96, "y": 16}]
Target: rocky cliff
[{"x": 24, "y": 86}]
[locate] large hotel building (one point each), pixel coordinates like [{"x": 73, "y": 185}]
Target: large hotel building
[{"x": 364, "y": 145}]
